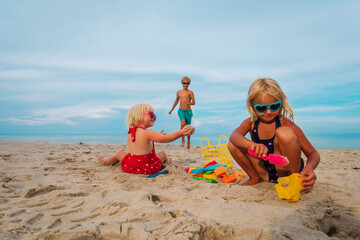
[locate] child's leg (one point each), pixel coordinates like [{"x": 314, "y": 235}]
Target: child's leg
[
  {"x": 188, "y": 118},
  {"x": 252, "y": 166},
  {"x": 188, "y": 142},
  {"x": 287, "y": 144},
  {"x": 182, "y": 124},
  {"x": 163, "y": 157},
  {"x": 113, "y": 159}
]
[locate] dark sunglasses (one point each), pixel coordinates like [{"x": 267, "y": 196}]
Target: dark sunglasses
[
  {"x": 186, "y": 83},
  {"x": 261, "y": 108},
  {"x": 152, "y": 115}
]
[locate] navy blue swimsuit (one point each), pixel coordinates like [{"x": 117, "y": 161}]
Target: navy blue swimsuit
[{"x": 269, "y": 143}]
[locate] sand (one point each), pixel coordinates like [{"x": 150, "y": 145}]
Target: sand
[{"x": 55, "y": 190}]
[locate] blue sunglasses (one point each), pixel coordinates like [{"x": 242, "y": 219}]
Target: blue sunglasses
[
  {"x": 186, "y": 83},
  {"x": 261, "y": 108}
]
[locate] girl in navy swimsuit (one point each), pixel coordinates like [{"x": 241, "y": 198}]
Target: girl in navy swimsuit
[{"x": 272, "y": 130}]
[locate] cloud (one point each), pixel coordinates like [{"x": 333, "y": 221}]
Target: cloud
[
  {"x": 66, "y": 115},
  {"x": 38, "y": 121},
  {"x": 330, "y": 124},
  {"x": 22, "y": 74},
  {"x": 319, "y": 108},
  {"x": 202, "y": 121},
  {"x": 326, "y": 108}
]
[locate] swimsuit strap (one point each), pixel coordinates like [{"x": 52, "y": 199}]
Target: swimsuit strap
[
  {"x": 255, "y": 136},
  {"x": 277, "y": 122},
  {"x": 133, "y": 131}
]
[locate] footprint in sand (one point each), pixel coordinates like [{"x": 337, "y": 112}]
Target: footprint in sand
[
  {"x": 156, "y": 199},
  {"x": 39, "y": 191},
  {"x": 55, "y": 224},
  {"x": 17, "y": 213},
  {"x": 35, "y": 219}
]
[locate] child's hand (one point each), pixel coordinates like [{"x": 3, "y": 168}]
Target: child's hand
[
  {"x": 187, "y": 132},
  {"x": 310, "y": 177},
  {"x": 259, "y": 149}
]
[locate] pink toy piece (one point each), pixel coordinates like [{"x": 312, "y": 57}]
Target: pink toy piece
[{"x": 272, "y": 158}]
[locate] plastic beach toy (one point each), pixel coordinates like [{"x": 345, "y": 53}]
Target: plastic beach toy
[
  {"x": 210, "y": 176},
  {"x": 228, "y": 179},
  {"x": 207, "y": 180},
  {"x": 238, "y": 174},
  {"x": 212, "y": 167},
  {"x": 291, "y": 192},
  {"x": 220, "y": 170},
  {"x": 219, "y": 153},
  {"x": 272, "y": 158},
  {"x": 156, "y": 174}
]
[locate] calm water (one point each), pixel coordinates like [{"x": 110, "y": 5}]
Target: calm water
[{"x": 320, "y": 141}]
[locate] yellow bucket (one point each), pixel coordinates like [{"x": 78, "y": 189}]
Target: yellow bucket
[{"x": 219, "y": 153}]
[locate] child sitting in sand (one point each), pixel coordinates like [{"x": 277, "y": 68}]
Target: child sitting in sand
[
  {"x": 272, "y": 132},
  {"x": 186, "y": 98},
  {"x": 142, "y": 158}
]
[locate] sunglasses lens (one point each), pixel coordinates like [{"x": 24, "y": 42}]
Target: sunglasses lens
[
  {"x": 153, "y": 116},
  {"x": 275, "y": 107},
  {"x": 261, "y": 109},
  {"x": 185, "y": 83}
]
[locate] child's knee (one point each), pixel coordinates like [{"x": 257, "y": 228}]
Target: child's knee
[
  {"x": 286, "y": 135},
  {"x": 234, "y": 150},
  {"x": 231, "y": 147},
  {"x": 162, "y": 156}
]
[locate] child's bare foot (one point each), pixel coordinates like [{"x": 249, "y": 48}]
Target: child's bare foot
[
  {"x": 101, "y": 161},
  {"x": 168, "y": 161},
  {"x": 182, "y": 144},
  {"x": 250, "y": 182}
]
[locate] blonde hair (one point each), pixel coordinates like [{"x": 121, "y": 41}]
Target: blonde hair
[
  {"x": 135, "y": 115},
  {"x": 263, "y": 86},
  {"x": 186, "y": 78}
]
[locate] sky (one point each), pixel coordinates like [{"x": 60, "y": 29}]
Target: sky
[{"x": 76, "y": 67}]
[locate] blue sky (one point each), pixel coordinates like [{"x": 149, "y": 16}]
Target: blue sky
[{"x": 77, "y": 66}]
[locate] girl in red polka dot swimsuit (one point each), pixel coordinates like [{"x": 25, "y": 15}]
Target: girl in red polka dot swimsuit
[{"x": 141, "y": 157}]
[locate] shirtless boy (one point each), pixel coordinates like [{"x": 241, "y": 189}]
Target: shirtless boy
[{"x": 187, "y": 99}]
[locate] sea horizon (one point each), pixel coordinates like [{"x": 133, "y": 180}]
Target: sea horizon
[{"x": 323, "y": 141}]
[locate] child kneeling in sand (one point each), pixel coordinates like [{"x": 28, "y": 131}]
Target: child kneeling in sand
[
  {"x": 272, "y": 132},
  {"x": 141, "y": 157}
]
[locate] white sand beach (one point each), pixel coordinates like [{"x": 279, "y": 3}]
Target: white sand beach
[{"x": 52, "y": 190}]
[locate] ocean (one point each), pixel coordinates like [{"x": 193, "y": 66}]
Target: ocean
[{"x": 320, "y": 141}]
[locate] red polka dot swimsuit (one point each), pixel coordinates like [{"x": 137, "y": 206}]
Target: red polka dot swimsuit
[{"x": 141, "y": 164}]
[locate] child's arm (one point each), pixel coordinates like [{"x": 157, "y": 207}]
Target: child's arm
[
  {"x": 239, "y": 140},
  {"x": 175, "y": 103},
  {"x": 192, "y": 98},
  {"x": 313, "y": 158},
  {"x": 169, "y": 137}
]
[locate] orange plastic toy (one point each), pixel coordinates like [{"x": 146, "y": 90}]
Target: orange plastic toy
[
  {"x": 220, "y": 170},
  {"x": 238, "y": 174},
  {"x": 228, "y": 179}
]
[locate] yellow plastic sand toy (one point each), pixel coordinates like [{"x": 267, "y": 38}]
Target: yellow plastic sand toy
[
  {"x": 218, "y": 153},
  {"x": 291, "y": 192}
]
